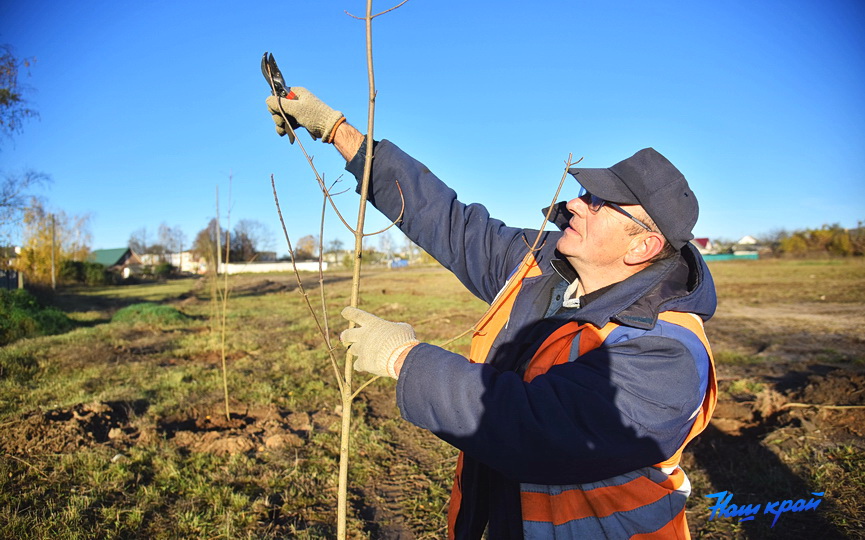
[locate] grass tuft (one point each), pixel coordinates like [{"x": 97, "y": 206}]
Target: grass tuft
[{"x": 151, "y": 314}]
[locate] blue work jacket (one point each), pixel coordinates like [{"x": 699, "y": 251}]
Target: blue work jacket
[{"x": 627, "y": 405}]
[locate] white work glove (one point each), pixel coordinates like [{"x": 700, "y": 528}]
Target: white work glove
[
  {"x": 307, "y": 111},
  {"x": 377, "y": 343}
]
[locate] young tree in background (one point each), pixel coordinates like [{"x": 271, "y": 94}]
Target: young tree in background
[{"x": 68, "y": 237}]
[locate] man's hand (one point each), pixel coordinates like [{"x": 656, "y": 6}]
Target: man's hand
[
  {"x": 307, "y": 111},
  {"x": 377, "y": 343}
]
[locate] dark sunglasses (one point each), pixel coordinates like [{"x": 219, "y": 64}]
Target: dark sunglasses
[{"x": 595, "y": 203}]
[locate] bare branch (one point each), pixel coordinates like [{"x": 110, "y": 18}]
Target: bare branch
[
  {"x": 321, "y": 270},
  {"x": 377, "y": 14},
  {"x": 391, "y": 9},
  {"x": 303, "y": 293},
  {"x": 833, "y": 407},
  {"x": 398, "y": 218},
  {"x": 364, "y": 385},
  {"x": 534, "y": 247},
  {"x": 31, "y": 465},
  {"x": 451, "y": 340}
]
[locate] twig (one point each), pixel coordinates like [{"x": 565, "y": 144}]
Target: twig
[
  {"x": 451, "y": 340},
  {"x": 326, "y": 335},
  {"x": 339, "y": 379},
  {"x": 399, "y": 217},
  {"x": 568, "y": 165},
  {"x": 364, "y": 385},
  {"x": 28, "y": 464},
  {"x": 377, "y": 14},
  {"x": 833, "y": 407},
  {"x": 225, "y": 292},
  {"x": 533, "y": 247}
]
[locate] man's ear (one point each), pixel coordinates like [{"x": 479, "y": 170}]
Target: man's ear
[{"x": 643, "y": 248}]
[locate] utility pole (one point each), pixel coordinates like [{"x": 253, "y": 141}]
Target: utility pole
[{"x": 53, "y": 256}]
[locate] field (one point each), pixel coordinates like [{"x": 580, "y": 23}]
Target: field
[{"x": 118, "y": 428}]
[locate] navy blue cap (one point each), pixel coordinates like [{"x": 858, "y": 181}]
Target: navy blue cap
[{"x": 649, "y": 179}]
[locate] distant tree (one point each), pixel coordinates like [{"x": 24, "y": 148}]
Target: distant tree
[
  {"x": 773, "y": 240},
  {"x": 857, "y": 239},
  {"x": 15, "y": 197},
  {"x": 249, "y": 238},
  {"x": 205, "y": 244},
  {"x": 67, "y": 236},
  {"x": 385, "y": 244},
  {"x": 13, "y": 106},
  {"x": 158, "y": 249},
  {"x": 242, "y": 247},
  {"x": 138, "y": 241},
  {"x": 14, "y": 187},
  {"x": 796, "y": 244},
  {"x": 410, "y": 249},
  {"x": 723, "y": 245},
  {"x": 335, "y": 246},
  {"x": 306, "y": 248},
  {"x": 171, "y": 238}
]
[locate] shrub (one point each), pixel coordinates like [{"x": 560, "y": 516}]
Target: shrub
[
  {"x": 149, "y": 313},
  {"x": 71, "y": 271},
  {"x": 22, "y": 316},
  {"x": 163, "y": 270},
  {"x": 89, "y": 273},
  {"x": 96, "y": 274}
]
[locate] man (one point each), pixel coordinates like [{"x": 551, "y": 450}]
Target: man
[{"x": 590, "y": 371}]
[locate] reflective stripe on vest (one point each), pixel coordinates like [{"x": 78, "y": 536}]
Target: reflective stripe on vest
[{"x": 647, "y": 503}]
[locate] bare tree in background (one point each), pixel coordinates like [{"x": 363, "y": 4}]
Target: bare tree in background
[
  {"x": 138, "y": 241},
  {"x": 250, "y": 237},
  {"x": 15, "y": 188},
  {"x": 172, "y": 239},
  {"x": 13, "y": 106},
  {"x": 15, "y": 198}
]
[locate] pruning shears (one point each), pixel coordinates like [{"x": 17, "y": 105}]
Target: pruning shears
[{"x": 277, "y": 84}]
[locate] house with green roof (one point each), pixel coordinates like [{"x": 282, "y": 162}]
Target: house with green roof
[{"x": 122, "y": 260}]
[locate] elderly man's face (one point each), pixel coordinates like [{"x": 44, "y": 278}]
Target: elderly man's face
[{"x": 596, "y": 240}]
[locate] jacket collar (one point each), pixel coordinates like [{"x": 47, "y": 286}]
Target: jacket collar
[{"x": 681, "y": 283}]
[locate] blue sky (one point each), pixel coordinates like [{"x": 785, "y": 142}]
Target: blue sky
[{"x": 147, "y": 107}]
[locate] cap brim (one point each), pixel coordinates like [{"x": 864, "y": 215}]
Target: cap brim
[{"x": 605, "y": 184}]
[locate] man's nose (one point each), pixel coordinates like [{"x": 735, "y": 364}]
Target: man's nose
[{"x": 577, "y": 206}]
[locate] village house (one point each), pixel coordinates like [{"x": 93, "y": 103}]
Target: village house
[{"x": 121, "y": 260}]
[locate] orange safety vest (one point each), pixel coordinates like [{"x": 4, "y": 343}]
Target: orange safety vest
[{"x": 653, "y": 497}]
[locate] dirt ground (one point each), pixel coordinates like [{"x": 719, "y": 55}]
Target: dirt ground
[{"x": 790, "y": 420}]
